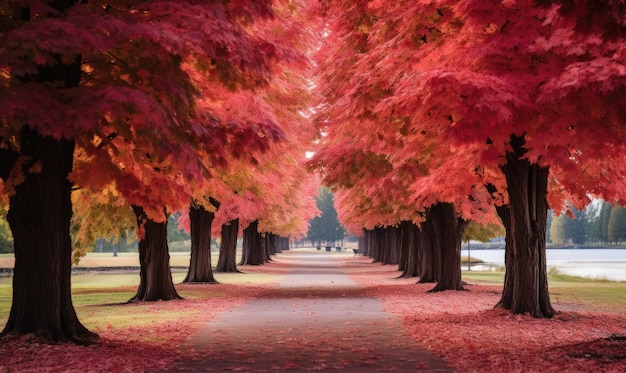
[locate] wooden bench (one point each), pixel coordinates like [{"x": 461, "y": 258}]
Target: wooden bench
[{"x": 356, "y": 251}]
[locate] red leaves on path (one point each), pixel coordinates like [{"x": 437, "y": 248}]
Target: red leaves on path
[{"x": 465, "y": 329}]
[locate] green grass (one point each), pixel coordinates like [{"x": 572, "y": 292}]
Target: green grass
[
  {"x": 484, "y": 277},
  {"x": 598, "y": 294},
  {"x": 99, "y": 298}
]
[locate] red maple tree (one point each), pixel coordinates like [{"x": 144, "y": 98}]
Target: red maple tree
[
  {"x": 517, "y": 96},
  {"x": 116, "y": 85}
]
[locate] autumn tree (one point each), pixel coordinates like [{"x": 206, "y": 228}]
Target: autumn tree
[
  {"x": 102, "y": 84},
  {"x": 496, "y": 89},
  {"x": 366, "y": 150},
  {"x": 201, "y": 217},
  {"x": 227, "y": 260}
]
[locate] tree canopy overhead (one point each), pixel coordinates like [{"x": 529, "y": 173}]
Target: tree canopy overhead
[
  {"x": 431, "y": 113},
  {"x": 130, "y": 99},
  {"x": 476, "y": 103}
]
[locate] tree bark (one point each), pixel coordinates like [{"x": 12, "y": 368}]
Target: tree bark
[
  {"x": 368, "y": 242},
  {"x": 431, "y": 258},
  {"x": 448, "y": 230},
  {"x": 361, "y": 243},
  {"x": 403, "y": 260},
  {"x": 200, "y": 267},
  {"x": 272, "y": 243},
  {"x": 39, "y": 216},
  {"x": 266, "y": 242},
  {"x": 410, "y": 252},
  {"x": 527, "y": 186},
  {"x": 227, "y": 261},
  {"x": 507, "y": 292},
  {"x": 378, "y": 242},
  {"x": 283, "y": 243},
  {"x": 154, "y": 260},
  {"x": 253, "y": 250},
  {"x": 390, "y": 245}
]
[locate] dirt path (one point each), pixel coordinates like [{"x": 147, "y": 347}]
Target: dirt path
[{"x": 316, "y": 320}]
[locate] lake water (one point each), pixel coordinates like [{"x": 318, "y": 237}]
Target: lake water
[{"x": 609, "y": 264}]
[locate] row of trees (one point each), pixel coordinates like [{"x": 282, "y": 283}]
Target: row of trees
[
  {"x": 437, "y": 113},
  {"x": 600, "y": 223},
  {"x": 114, "y": 115}
]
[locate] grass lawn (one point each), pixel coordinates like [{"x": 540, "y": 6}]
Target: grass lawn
[
  {"x": 91, "y": 260},
  {"x": 98, "y": 297},
  {"x": 595, "y": 294}
]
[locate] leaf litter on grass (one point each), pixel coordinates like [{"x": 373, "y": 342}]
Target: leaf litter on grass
[
  {"x": 465, "y": 329},
  {"x": 124, "y": 346}
]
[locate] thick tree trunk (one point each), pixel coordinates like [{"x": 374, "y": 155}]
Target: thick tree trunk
[
  {"x": 360, "y": 245},
  {"x": 253, "y": 250},
  {"x": 448, "y": 230},
  {"x": 266, "y": 241},
  {"x": 507, "y": 293},
  {"x": 39, "y": 216},
  {"x": 154, "y": 260},
  {"x": 391, "y": 245},
  {"x": 200, "y": 267},
  {"x": 410, "y": 250},
  {"x": 431, "y": 258},
  {"x": 403, "y": 260},
  {"x": 527, "y": 186},
  {"x": 227, "y": 261},
  {"x": 283, "y": 243},
  {"x": 368, "y": 242},
  {"x": 377, "y": 244},
  {"x": 273, "y": 244}
]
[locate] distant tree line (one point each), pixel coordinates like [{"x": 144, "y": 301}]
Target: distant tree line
[
  {"x": 325, "y": 228},
  {"x": 600, "y": 223}
]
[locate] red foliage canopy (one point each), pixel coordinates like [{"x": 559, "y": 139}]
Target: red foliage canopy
[{"x": 439, "y": 87}]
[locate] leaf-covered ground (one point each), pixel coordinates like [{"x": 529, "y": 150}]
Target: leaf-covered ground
[
  {"x": 464, "y": 328},
  {"x": 140, "y": 337}
]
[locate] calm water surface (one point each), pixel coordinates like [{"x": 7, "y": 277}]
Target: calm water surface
[{"x": 607, "y": 264}]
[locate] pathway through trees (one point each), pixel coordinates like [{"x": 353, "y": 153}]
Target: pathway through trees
[{"x": 317, "y": 319}]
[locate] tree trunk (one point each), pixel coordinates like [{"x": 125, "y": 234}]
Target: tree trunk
[
  {"x": 283, "y": 243},
  {"x": 431, "y": 258},
  {"x": 227, "y": 261},
  {"x": 39, "y": 216},
  {"x": 200, "y": 267},
  {"x": 448, "y": 230},
  {"x": 268, "y": 249},
  {"x": 378, "y": 242},
  {"x": 360, "y": 245},
  {"x": 154, "y": 260},
  {"x": 507, "y": 293},
  {"x": 368, "y": 242},
  {"x": 253, "y": 250},
  {"x": 527, "y": 188},
  {"x": 390, "y": 245},
  {"x": 275, "y": 244},
  {"x": 410, "y": 249},
  {"x": 403, "y": 260}
]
